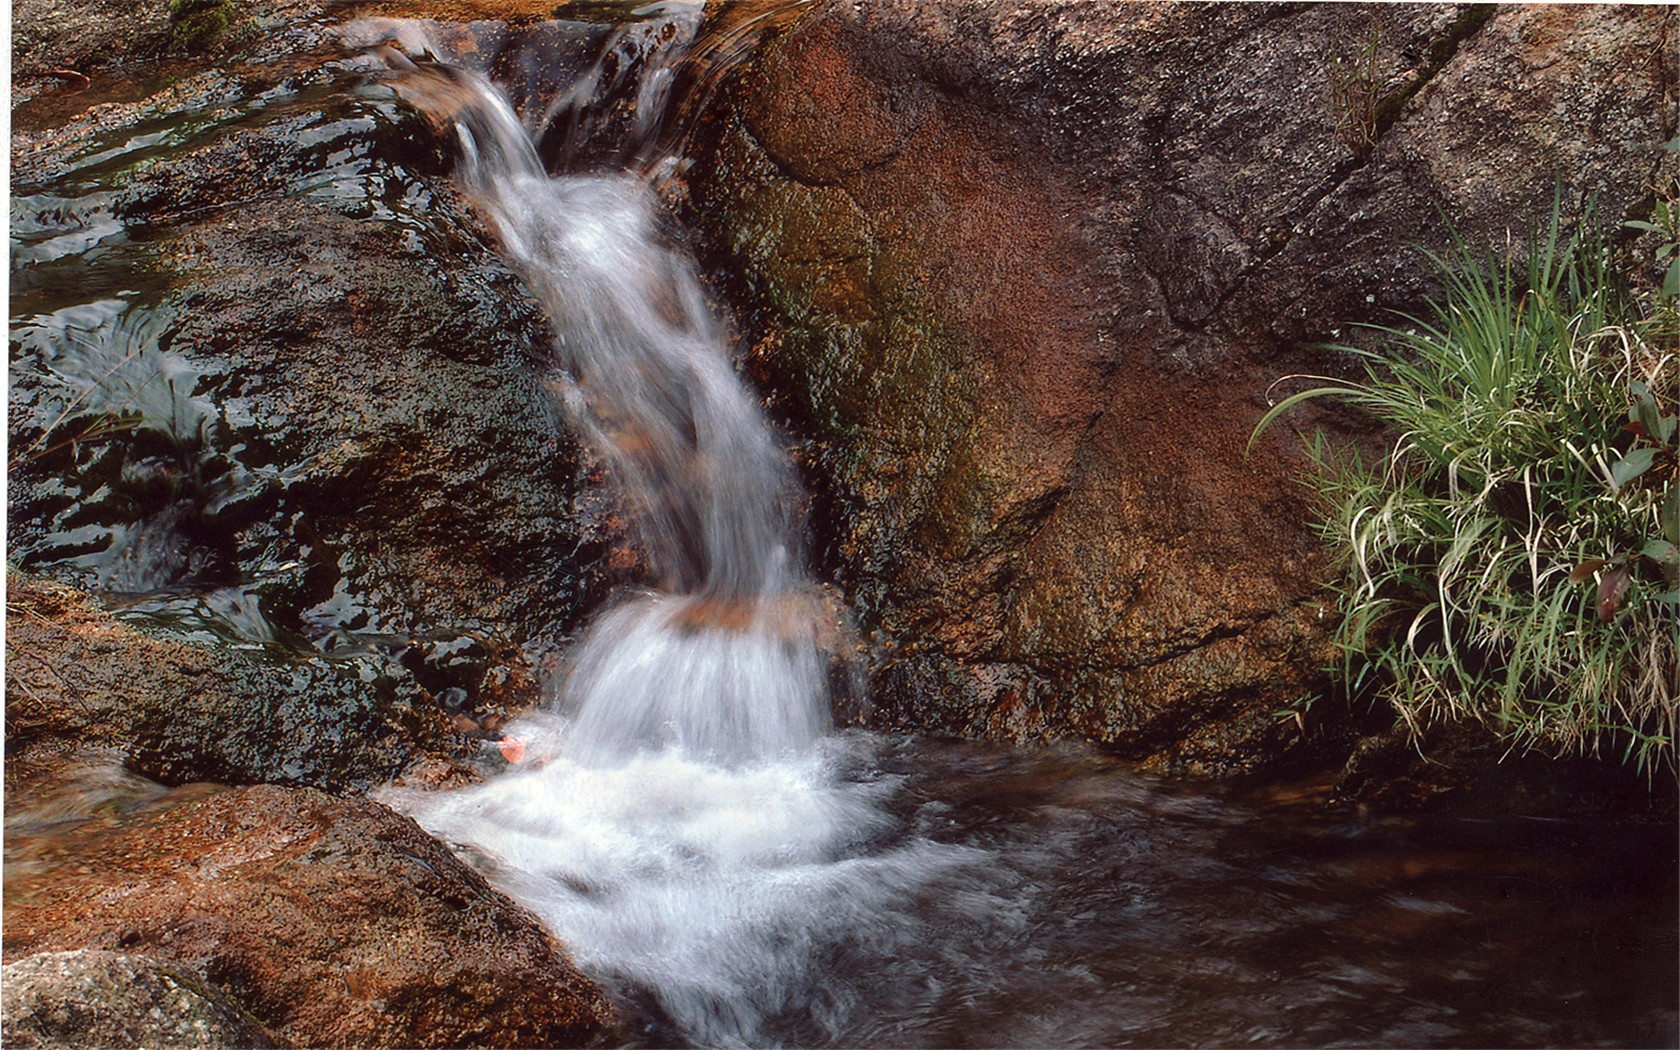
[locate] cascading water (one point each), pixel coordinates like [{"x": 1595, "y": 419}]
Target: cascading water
[
  {"x": 684, "y": 819},
  {"x": 678, "y": 819},
  {"x": 716, "y": 662},
  {"x": 738, "y": 875}
]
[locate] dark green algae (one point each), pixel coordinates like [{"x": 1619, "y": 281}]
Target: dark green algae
[{"x": 860, "y": 365}]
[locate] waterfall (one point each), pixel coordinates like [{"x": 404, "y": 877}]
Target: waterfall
[
  {"x": 736, "y": 875},
  {"x": 677, "y": 817},
  {"x": 720, "y": 657}
]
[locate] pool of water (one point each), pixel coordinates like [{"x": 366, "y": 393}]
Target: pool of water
[{"x": 889, "y": 891}]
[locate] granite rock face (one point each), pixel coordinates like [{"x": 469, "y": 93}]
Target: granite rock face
[
  {"x": 108, "y": 999},
  {"x": 1026, "y": 274}
]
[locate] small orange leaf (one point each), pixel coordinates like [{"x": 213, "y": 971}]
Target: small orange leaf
[
  {"x": 1585, "y": 570},
  {"x": 512, "y": 748}
]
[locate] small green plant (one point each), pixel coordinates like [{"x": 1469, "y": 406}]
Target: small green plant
[
  {"x": 1514, "y": 558},
  {"x": 198, "y": 25},
  {"x": 1355, "y": 96},
  {"x": 1665, "y": 223}
]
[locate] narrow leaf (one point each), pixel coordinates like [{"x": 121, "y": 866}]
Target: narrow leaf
[{"x": 1352, "y": 392}]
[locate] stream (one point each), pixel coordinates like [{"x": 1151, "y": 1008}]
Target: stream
[
  {"x": 899, "y": 892},
  {"x": 736, "y": 871}
]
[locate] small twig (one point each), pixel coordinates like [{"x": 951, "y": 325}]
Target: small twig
[{"x": 111, "y": 426}]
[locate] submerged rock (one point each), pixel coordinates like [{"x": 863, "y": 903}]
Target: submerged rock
[
  {"x": 334, "y": 921},
  {"x": 1025, "y": 275},
  {"x": 107, "y": 999}
]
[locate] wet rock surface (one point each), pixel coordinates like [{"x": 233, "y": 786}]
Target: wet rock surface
[
  {"x": 272, "y": 391},
  {"x": 334, "y": 921},
  {"x": 1020, "y": 275},
  {"x": 1025, "y": 275},
  {"x": 108, "y": 999},
  {"x": 289, "y": 504},
  {"x": 77, "y": 678}
]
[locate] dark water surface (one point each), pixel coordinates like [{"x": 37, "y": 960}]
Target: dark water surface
[
  {"x": 898, "y": 892},
  {"x": 1163, "y": 915}
]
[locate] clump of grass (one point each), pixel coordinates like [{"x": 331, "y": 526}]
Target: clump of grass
[
  {"x": 1515, "y": 558},
  {"x": 1355, "y": 96}
]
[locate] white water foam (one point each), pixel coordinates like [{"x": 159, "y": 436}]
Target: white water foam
[
  {"x": 721, "y": 659},
  {"x": 712, "y": 893}
]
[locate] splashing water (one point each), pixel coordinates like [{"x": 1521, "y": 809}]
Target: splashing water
[{"x": 721, "y": 660}]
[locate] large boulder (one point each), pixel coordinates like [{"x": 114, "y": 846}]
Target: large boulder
[
  {"x": 334, "y": 921},
  {"x": 1024, "y": 275},
  {"x": 272, "y": 392}
]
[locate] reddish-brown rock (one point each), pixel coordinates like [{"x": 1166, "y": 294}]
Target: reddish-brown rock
[
  {"x": 1027, "y": 272},
  {"x": 77, "y": 678},
  {"x": 336, "y": 922}
]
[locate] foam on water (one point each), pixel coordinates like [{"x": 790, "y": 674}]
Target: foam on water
[
  {"x": 734, "y": 692},
  {"x": 713, "y": 893}
]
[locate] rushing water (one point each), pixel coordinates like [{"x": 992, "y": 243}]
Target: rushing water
[
  {"x": 721, "y": 660},
  {"x": 740, "y": 876}
]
